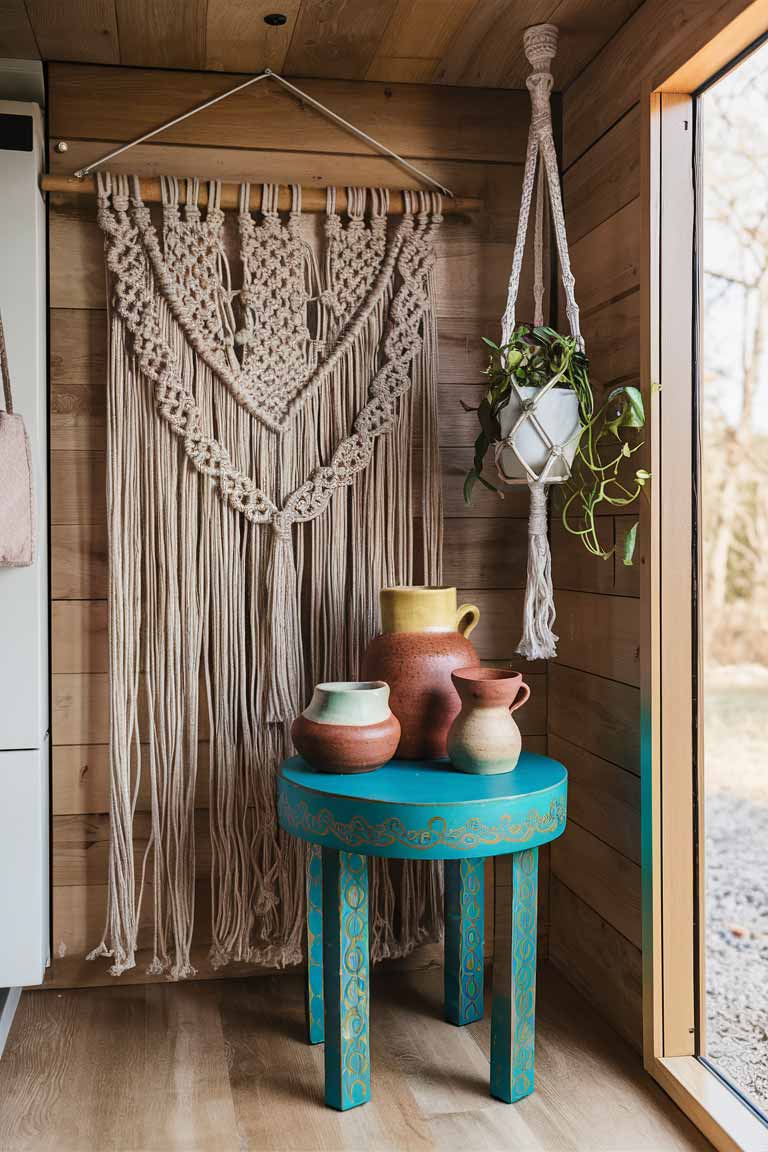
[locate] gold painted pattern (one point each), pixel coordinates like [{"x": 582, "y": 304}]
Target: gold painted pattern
[{"x": 438, "y": 833}]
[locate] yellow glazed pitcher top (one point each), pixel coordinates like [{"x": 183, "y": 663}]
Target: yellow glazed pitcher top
[{"x": 422, "y": 609}]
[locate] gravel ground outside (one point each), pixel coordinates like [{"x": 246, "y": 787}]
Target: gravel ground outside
[{"x": 736, "y": 860}]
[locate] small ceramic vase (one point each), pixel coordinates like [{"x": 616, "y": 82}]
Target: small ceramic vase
[
  {"x": 348, "y": 727},
  {"x": 424, "y": 637},
  {"x": 484, "y": 738}
]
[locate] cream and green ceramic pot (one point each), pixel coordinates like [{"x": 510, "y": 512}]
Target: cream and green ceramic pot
[
  {"x": 424, "y": 638},
  {"x": 347, "y": 727}
]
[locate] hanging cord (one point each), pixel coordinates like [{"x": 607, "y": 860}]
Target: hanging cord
[
  {"x": 301, "y": 95},
  {"x": 6, "y": 372},
  {"x": 539, "y": 640}
]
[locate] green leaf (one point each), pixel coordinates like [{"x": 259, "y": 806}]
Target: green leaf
[
  {"x": 470, "y": 480},
  {"x": 632, "y": 408},
  {"x": 630, "y": 539},
  {"x": 488, "y": 422}
]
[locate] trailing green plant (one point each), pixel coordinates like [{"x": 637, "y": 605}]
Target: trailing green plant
[{"x": 533, "y": 357}]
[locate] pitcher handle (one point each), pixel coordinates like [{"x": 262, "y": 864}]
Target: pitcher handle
[
  {"x": 469, "y": 616},
  {"x": 518, "y": 702}
]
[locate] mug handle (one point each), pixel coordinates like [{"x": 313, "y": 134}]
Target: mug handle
[
  {"x": 469, "y": 616},
  {"x": 518, "y": 703}
]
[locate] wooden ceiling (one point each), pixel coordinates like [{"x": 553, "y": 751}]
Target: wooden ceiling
[{"x": 468, "y": 42}]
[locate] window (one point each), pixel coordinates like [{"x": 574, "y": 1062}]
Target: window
[
  {"x": 705, "y": 587},
  {"x": 732, "y": 597}
]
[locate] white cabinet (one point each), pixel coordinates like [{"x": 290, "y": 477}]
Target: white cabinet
[
  {"x": 24, "y": 867},
  {"x": 24, "y": 672}
]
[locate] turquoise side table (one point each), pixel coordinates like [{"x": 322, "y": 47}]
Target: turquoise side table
[{"x": 424, "y": 811}]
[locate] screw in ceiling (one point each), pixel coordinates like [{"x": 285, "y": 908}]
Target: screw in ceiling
[{"x": 276, "y": 19}]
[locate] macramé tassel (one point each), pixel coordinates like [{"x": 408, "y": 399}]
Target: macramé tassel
[
  {"x": 283, "y": 670},
  {"x": 538, "y": 640}
]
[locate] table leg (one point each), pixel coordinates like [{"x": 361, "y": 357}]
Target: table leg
[
  {"x": 345, "y": 979},
  {"x": 313, "y": 989},
  {"x": 464, "y": 940},
  {"x": 513, "y": 1015}
]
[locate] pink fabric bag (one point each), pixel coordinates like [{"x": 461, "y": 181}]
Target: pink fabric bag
[{"x": 17, "y": 505}]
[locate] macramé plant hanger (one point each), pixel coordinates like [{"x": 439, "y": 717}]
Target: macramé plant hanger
[{"x": 526, "y": 427}]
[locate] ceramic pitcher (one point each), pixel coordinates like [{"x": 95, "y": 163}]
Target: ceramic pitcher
[
  {"x": 347, "y": 727},
  {"x": 484, "y": 738},
  {"x": 424, "y": 637}
]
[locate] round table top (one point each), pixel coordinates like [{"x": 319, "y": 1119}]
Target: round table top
[{"x": 425, "y": 810}]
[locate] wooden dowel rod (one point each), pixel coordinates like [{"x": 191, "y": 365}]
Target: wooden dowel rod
[{"x": 312, "y": 199}]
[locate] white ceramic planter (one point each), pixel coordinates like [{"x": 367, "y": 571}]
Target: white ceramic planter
[{"x": 558, "y": 412}]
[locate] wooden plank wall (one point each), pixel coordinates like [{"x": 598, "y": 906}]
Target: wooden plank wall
[
  {"x": 474, "y": 141},
  {"x": 594, "y": 698}
]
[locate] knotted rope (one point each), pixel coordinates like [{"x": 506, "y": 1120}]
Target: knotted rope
[
  {"x": 260, "y": 479},
  {"x": 538, "y": 640}
]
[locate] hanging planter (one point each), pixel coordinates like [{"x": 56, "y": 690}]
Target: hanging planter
[
  {"x": 525, "y": 449},
  {"x": 539, "y": 414}
]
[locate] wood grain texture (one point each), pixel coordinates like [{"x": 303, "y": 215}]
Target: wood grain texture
[
  {"x": 604, "y": 178},
  {"x": 414, "y": 120},
  {"x": 78, "y": 562},
  {"x": 488, "y": 49},
  {"x": 598, "y": 960},
  {"x": 594, "y": 719},
  {"x": 79, "y": 631},
  {"x": 470, "y": 273},
  {"x": 612, "y": 335},
  {"x": 573, "y": 567},
  {"x": 475, "y": 42},
  {"x": 78, "y": 385},
  {"x": 657, "y": 39},
  {"x": 78, "y": 485},
  {"x": 237, "y": 39},
  {"x": 599, "y": 715},
  {"x": 338, "y": 38},
  {"x": 80, "y": 846},
  {"x": 17, "y": 40},
  {"x": 224, "y": 1067},
  {"x": 80, "y": 779},
  {"x": 484, "y": 552},
  {"x": 604, "y": 879},
  {"x": 171, "y": 1102},
  {"x": 497, "y": 185},
  {"x": 84, "y": 30},
  {"x": 80, "y": 709},
  {"x": 416, "y": 37},
  {"x": 162, "y": 33},
  {"x": 602, "y": 798},
  {"x": 600, "y": 634},
  {"x": 606, "y": 262}
]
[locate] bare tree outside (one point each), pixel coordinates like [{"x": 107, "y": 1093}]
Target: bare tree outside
[{"x": 734, "y": 553}]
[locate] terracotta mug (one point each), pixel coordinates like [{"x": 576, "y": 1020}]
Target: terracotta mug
[{"x": 484, "y": 738}]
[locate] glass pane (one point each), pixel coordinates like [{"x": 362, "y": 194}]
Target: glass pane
[{"x": 733, "y": 712}]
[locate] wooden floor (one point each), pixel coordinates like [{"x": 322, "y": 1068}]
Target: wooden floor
[{"x": 223, "y": 1065}]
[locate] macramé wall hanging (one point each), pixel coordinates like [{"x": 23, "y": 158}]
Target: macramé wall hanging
[{"x": 260, "y": 492}]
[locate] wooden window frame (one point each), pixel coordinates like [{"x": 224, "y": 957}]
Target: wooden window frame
[{"x": 673, "y": 1017}]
